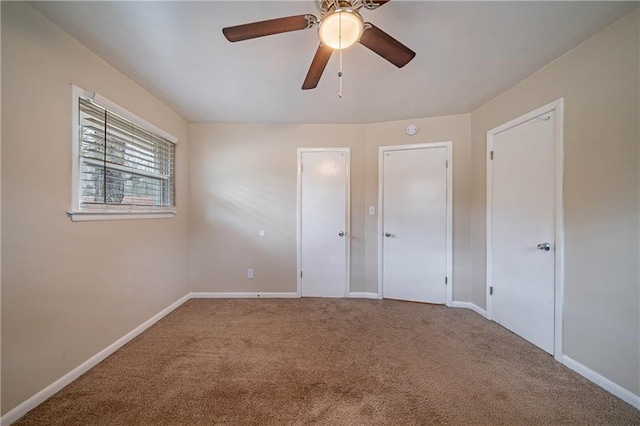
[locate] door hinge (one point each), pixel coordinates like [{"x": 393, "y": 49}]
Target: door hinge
[
  {"x": 446, "y": 280},
  {"x": 446, "y": 163},
  {"x": 300, "y": 274},
  {"x": 490, "y": 291},
  {"x": 492, "y": 155},
  {"x": 301, "y": 167}
]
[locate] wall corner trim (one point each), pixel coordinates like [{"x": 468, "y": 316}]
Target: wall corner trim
[
  {"x": 363, "y": 295},
  {"x": 468, "y": 305},
  {"x": 244, "y": 295},
  {"x": 614, "y": 388},
  {"x": 24, "y": 407}
]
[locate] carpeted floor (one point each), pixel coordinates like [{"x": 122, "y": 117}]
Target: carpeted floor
[{"x": 329, "y": 361}]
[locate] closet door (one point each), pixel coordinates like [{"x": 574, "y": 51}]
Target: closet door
[
  {"x": 323, "y": 222},
  {"x": 414, "y": 224}
]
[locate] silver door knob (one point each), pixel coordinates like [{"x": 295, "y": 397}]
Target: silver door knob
[
  {"x": 387, "y": 235},
  {"x": 341, "y": 234},
  {"x": 544, "y": 246}
]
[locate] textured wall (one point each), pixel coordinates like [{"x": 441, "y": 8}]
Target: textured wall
[
  {"x": 243, "y": 179},
  {"x": 71, "y": 289},
  {"x": 599, "y": 81}
]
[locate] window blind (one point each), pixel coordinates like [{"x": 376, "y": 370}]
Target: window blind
[{"x": 121, "y": 163}]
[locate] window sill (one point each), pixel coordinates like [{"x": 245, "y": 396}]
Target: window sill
[{"x": 88, "y": 215}]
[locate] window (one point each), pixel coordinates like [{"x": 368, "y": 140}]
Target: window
[{"x": 123, "y": 166}]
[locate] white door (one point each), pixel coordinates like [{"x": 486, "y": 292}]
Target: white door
[
  {"x": 414, "y": 224},
  {"x": 323, "y": 240},
  {"x": 523, "y": 229}
]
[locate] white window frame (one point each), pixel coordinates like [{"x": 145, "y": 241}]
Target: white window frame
[{"x": 79, "y": 213}]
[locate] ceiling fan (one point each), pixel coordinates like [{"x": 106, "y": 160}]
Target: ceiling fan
[{"x": 340, "y": 26}]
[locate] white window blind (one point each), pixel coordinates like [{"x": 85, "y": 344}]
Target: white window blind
[{"x": 124, "y": 169}]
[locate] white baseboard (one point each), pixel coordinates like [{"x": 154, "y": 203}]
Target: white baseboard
[
  {"x": 468, "y": 305},
  {"x": 244, "y": 295},
  {"x": 363, "y": 295},
  {"x": 37, "y": 399},
  {"x": 614, "y": 388}
]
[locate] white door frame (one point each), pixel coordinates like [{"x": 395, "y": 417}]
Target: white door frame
[
  {"x": 558, "y": 107},
  {"x": 449, "y": 268},
  {"x": 347, "y": 231}
]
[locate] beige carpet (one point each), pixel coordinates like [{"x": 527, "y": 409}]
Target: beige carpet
[{"x": 324, "y": 361}]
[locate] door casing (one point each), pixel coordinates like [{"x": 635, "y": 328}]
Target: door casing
[
  {"x": 347, "y": 152},
  {"x": 558, "y": 107},
  {"x": 449, "y": 256}
]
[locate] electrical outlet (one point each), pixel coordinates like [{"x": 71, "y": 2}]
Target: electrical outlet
[
  {"x": 372, "y": 210},
  {"x": 250, "y": 273}
]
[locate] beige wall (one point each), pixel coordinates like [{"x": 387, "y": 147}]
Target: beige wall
[
  {"x": 599, "y": 81},
  {"x": 71, "y": 289},
  {"x": 243, "y": 180}
]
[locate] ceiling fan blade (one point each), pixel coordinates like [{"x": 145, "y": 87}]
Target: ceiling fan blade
[
  {"x": 320, "y": 60},
  {"x": 269, "y": 27},
  {"x": 386, "y": 46}
]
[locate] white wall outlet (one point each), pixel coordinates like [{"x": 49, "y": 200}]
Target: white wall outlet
[
  {"x": 372, "y": 210},
  {"x": 250, "y": 273}
]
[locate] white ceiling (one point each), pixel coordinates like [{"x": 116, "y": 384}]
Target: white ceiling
[{"x": 467, "y": 53}]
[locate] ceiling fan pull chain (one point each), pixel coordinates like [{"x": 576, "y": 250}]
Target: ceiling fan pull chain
[{"x": 340, "y": 94}]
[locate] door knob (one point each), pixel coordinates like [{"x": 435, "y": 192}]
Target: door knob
[
  {"x": 341, "y": 234},
  {"x": 387, "y": 235},
  {"x": 544, "y": 246}
]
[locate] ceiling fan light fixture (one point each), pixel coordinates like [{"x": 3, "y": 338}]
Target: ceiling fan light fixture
[{"x": 341, "y": 28}]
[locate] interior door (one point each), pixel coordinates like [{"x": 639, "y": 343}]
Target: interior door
[
  {"x": 323, "y": 223},
  {"x": 414, "y": 246},
  {"x": 523, "y": 230}
]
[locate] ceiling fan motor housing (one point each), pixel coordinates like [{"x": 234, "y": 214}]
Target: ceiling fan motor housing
[{"x": 326, "y": 6}]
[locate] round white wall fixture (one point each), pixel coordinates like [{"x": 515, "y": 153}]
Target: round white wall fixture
[
  {"x": 262, "y": 233},
  {"x": 412, "y": 129}
]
